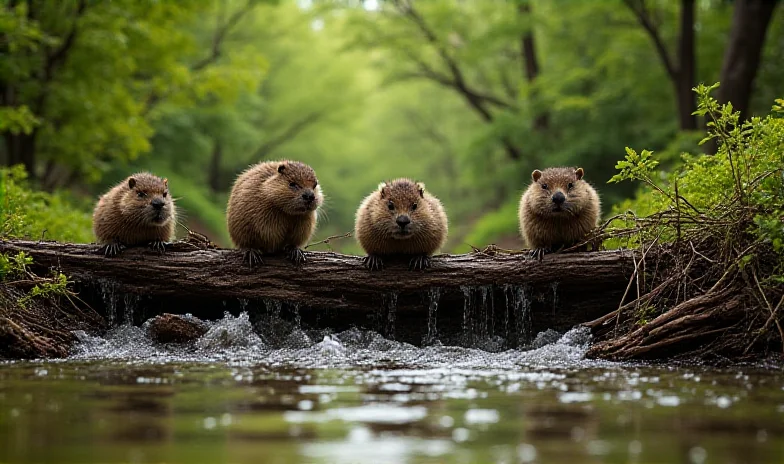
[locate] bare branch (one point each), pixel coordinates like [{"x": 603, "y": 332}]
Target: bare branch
[
  {"x": 216, "y": 50},
  {"x": 286, "y": 135},
  {"x": 476, "y": 99},
  {"x": 640, "y": 10},
  {"x": 220, "y": 36}
]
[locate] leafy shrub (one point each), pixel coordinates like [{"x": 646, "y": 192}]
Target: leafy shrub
[{"x": 25, "y": 213}]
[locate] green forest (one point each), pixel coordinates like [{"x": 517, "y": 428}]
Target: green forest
[{"x": 467, "y": 96}]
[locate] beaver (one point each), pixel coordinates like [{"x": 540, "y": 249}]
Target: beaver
[
  {"x": 557, "y": 210},
  {"x": 400, "y": 217},
  {"x": 273, "y": 207},
  {"x": 136, "y": 211}
]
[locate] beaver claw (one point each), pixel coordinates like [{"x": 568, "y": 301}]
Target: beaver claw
[
  {"x": 419, "y": 263},
  {"x": 296, "y": 255},
  {"x": 112, "y": 249},
  {"x": 252, "y": 257},
  {"x": 159, "y": 246},
  {"x": 373, "y": 262},
  {"x": 538, "y": 253}
]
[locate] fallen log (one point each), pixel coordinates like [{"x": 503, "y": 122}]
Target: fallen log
[{"x": 491, "y": 298}]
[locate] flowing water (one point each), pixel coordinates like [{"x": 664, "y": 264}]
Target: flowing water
[{"x": 239, "y": 395}]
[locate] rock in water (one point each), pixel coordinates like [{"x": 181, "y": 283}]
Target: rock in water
[{"x": 174, "y": 328}]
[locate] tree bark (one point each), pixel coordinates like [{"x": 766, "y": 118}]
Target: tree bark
[
  {"x": 684, "y": 81},
  {"x": 750, "y": 22},
  {"x": 681, "y": 74},
  {"x": 21, "y": 150},
  {"x": 476, "y": 294},
  {"x": 531, "y": 67}
]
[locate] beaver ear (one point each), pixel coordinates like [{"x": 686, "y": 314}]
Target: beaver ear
[
  {"x": 536, "y": 175},
  {"x": 166, "y": 182},
  {"x": 131, "y": 183},
  {"x": 382, "y": 189},
  {"x": 579, "y": 173},
  {"x": 421, "y": 187},
  {"x": 281, "y": 168}
]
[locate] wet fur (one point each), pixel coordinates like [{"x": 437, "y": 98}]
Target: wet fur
[
  {"x": 541, "y": 227},
  {"x": 375, "y": 224},
  {"x": 122, "y": 217},
  {"x": 264, "y": 213}
]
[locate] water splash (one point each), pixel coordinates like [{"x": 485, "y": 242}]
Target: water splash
[
  {"x": 433, "y": 295},
  {"x": 243, "y": 304},
  {"x": 230, "y": 332},
  {"x": 109, "y": 290},
  {"x": 468, "y": 321},
  {"x": 232, "y": 340},
  {"x": 519, "y": 306},
  {"x": 131, "y": 301},
  {"x": 388, "y": 314}
]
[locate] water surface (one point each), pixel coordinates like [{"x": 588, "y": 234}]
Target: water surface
[{"x": 355, "y": 397}]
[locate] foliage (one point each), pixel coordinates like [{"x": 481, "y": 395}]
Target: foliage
[
  {"x": 745, "y": 177},
  {"x": 26, "y": 213},
  {"x": 14, "y": 266},
  {"x": 86, "y": 77},
  {"x": 199, "y": 90},
  {"x": 722, "y": 217}
]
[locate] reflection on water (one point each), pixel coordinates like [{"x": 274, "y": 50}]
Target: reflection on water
[{"x": 357, "y": 397}]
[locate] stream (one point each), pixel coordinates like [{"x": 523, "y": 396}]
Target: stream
[{"x": 237, "y": 395}]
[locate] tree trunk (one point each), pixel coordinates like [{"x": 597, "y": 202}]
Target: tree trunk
[
  {"x": 531, "y": 68},
  {"x": 473, "y": 296},
  {"x": 750, "y": 22},
  {"x": 21, "y": 150},
  {"x": 684, "y": 81}
]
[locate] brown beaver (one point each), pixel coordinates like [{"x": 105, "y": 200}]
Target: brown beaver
[
  {"x": 557, "y": 210},
  {"x": 138, "y": 210},
  {"x": 400, "y": 218},
  {"x": 272, "y": 208}
]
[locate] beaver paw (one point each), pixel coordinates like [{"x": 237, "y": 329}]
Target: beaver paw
[
  {"x": 159, "y": 246},
  {"x": 295, "y": 255},
  {"x": 112, "y": 249},
  {"x": 538, "y": 253},
  {"x": 252, "y": 257},
  {"x": 373, "y": 262},
  {"x": 419, "y": 263}
]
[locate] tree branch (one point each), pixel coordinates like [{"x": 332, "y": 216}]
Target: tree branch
[
  {"x": 216, "y": 51},
  {"x": 56, "y": 59},
  {"x": 288, "y": 134},
  {"x": 457, "y": 81},
  {"x": 644, "y": 18},
  {"x": 220, "y": 35}
]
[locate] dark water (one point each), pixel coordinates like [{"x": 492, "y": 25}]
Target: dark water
[{"x": 358, "y": 398}]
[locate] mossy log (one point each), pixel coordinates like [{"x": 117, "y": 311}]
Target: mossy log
[{"x": 461, "y": 299}]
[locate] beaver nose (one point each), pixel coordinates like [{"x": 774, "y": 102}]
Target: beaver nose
[
  {"x": 559, "y": 198},
  {"x": 157, "y": 203},
  {"x": 403, "y": 221},
  {"x": 308, "y": 196}
]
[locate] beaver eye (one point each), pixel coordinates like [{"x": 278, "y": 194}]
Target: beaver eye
[
  {"x": 165, "y": 193},
  {"x": 413, "y": 207},
  {"x": 570, "y": 186},
  {"x": 544, "y": 186},
  {"x": 141, "y": 194},
  {"x": 293, "y": 184},
  {"x": 315, "y": 185},
  {"x": 390, "y": 205}
]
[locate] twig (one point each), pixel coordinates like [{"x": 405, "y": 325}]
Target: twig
[{"x": 327, "y": 240}]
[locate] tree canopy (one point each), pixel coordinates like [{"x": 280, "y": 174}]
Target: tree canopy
[{"x": 467, "y": 96}]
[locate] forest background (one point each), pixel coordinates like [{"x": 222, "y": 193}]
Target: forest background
[{"x": 468, "y": 96}]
